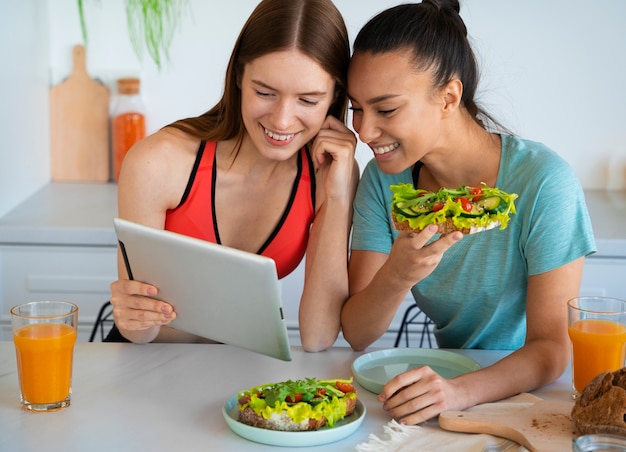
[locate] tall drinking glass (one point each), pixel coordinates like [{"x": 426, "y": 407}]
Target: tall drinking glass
[
  {"x": 597, "y": 329},
  {"x": 44, "y": 333}
]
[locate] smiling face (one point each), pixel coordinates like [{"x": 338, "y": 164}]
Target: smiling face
[
  {"x": 285, "y": 97},
  {"x": 396, "y": 111}
]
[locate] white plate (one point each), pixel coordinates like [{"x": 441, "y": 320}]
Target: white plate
[
  {"x": 373, "y": 370},
  {"x": 325, "y": 435}
]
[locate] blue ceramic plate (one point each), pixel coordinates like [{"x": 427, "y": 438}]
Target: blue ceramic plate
[
  {"x": 325, "y": 435},
  {"x": 373, "y": 370}
]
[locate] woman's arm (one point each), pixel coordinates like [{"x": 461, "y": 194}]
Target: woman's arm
[
  {"x": 420, "y": 394},
  {"x": 153, "y": 177},
  {"x": 326, "y": 269},
  {"x": 379, "y": 283}
]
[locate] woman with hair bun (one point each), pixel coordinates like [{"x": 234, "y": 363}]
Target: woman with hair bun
[{"x": 412, "y": 82}]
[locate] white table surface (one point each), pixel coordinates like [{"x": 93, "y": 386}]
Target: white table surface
[{"x": 156, "y": 397}]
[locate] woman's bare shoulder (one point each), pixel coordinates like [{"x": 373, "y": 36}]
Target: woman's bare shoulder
[
  {"x": 167, "y": 143},
  {"x": 157, "y": 169}
]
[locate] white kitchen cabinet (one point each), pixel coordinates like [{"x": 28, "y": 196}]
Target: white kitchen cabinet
[
  {"x": 605, "y": 271},
  {"x": 604, "y": 277},
  {"x": 81, "y": 275},
  {"x": 59, "y": 245}
]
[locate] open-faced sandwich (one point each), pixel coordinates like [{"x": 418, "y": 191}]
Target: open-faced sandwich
[
  {"x": 299, "y": 405},
  {"x": 465, "y": 209}
]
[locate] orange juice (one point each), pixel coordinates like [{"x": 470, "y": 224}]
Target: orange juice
[
  {"x": 128, "y": 128},
  {"x": 44, "y": 361},
  {"x": 598, "y": 346}
]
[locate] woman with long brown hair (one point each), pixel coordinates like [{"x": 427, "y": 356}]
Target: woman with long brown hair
[{"x": 270, "y": 169}]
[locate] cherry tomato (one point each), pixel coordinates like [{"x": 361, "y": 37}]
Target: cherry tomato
[
  {"x": 477, "y": 192},
  {"x": 465, "y": 204},
  {"x": 344, "y": 387},
  {"x": 296, "y": 398},
  {"x": 438, "y": 206}
]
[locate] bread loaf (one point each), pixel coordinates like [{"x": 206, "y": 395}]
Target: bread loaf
[{"x": 602, "y": 405}]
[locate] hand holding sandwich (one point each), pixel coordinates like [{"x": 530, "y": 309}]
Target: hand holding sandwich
[{"x": 412, "y": 259}]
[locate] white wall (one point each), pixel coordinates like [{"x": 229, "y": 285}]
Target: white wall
[
  {"x": 24, "y": 108},
  {"x": 551, "y": 71},
  {"x": 554, "y": 69}
]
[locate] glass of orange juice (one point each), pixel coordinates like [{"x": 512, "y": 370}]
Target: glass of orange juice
[
  {"x": 597, "y": 329},
  {"x": 44, "y": 333}
]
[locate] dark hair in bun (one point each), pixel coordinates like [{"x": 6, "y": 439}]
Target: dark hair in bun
[{"x": 435, "y": 34}]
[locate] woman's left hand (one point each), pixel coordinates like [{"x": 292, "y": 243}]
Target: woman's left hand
[
  {"x": 333, "y": 152},
  {"x": 417, "y": 395}
]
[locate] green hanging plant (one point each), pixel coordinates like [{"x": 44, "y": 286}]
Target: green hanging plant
[
  {"x": 152, "y": 25},
  {"x": 81, "y": 15}
]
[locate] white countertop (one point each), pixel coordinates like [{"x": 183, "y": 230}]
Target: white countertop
[
  {"x": 164, "y": 397},
  {"x": 66, "y": 213}
]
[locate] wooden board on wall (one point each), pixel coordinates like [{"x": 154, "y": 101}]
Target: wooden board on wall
[{"x": 79, "y": 126}]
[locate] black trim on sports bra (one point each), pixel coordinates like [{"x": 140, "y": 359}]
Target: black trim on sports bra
[
  {"x": 213, "y": 183},
  {"x": 313, "y": 179},
  {"x": 292, "y": 197},
  {"x": 194, "y": 171},
  {"x": 283, "y": 218},
  {"x": 416, "y": 172}
]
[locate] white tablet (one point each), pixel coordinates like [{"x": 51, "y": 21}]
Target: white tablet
[{"x": 219, "y": 293}]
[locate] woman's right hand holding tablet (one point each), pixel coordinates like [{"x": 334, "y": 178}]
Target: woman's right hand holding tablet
[{"x": 137, "y": 312}]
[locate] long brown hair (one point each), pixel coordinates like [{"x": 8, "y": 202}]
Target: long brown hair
[{"x": 314, "y": 27}]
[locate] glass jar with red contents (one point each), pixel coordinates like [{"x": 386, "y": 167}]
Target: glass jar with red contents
[{"x": 129, "y": 121}]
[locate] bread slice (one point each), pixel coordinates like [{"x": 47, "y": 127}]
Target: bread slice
[
  {"x": 444, "y": 228},
  {"x": 602, "y": 405},
  {"x": 278, "y": 421}
]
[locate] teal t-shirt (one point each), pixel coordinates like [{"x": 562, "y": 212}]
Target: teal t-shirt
[{"x": 477, "y": 294}]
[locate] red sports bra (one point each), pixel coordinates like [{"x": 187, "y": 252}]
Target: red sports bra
[{"x": 195, "y": 215}]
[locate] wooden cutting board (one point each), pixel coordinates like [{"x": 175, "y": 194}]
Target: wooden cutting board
[
  {"x": 539, "y": 425},
  {"x": 79, "y": 126}
]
